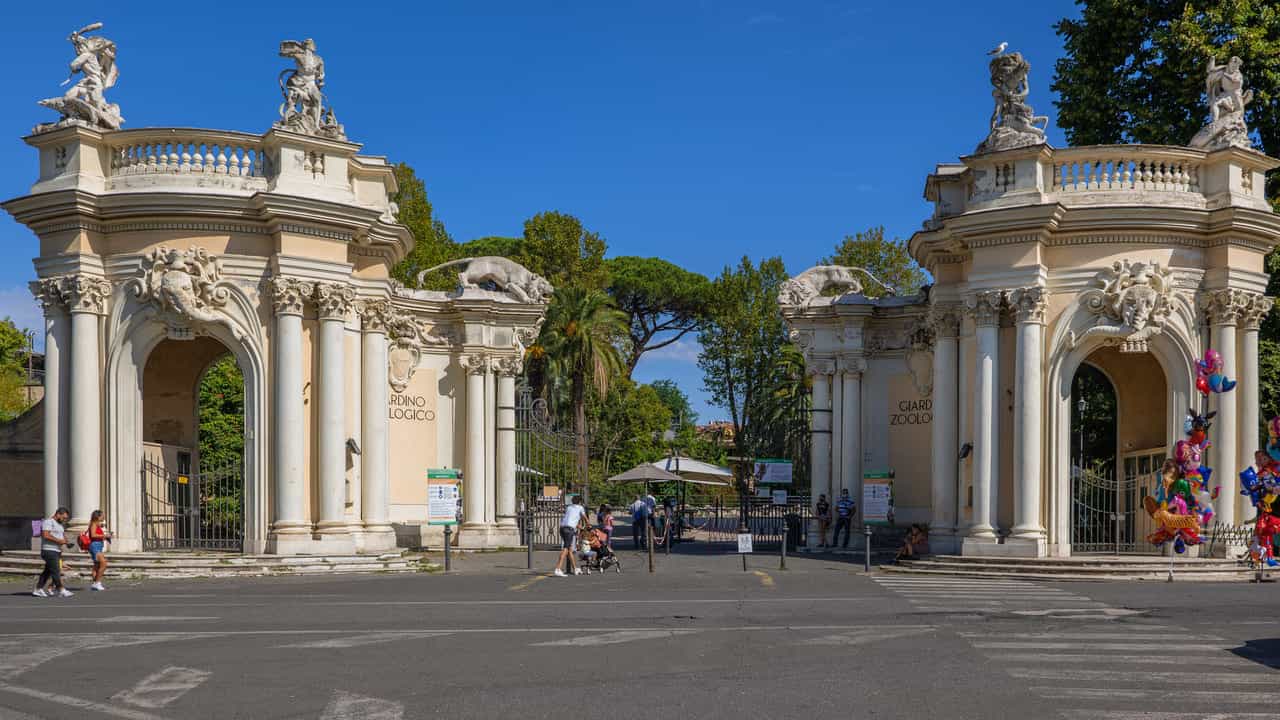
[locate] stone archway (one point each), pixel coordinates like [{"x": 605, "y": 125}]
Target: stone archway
[{"x": 137, "y": 330}]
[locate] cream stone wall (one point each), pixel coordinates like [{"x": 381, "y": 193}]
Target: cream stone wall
[
  {"x": 908, "y": 416},
  {"x": 1142, "y": 397},
  {"x": 414, "y": 415},
  {"x": 169, "y": 385}
]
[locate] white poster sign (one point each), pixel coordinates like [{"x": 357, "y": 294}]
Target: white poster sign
[
  {"x": 744, "y": 542},
  {"x": 769, "y": 471}
]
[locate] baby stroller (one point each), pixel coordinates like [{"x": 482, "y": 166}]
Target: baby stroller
[{"x": 596, "y": 553}]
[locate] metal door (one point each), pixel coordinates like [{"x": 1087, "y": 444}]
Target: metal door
[
  {"x": 547, "y": 469},
  {"x": 182, "y": 510},
  {"x": 1107, "y": 514}
]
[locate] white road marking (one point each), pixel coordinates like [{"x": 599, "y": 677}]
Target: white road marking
[
  {"x": 165, "y": 634},
  {"x": 163, "y": 688},
  {"x": 469, "y": 603},
  {"x": 1231, "y": 697},
  {"x": 80, "y": 703},
  {"x": 1126, "y": 634},
  {"x": 1095, "y": 646},
  {"x": 17, "y": 657},
  {"x": 359, "y": 640},
  {"x": 1075, "y": 674},
  {"x": 869, "y": 635},
  {"x": 153, "y": 618},
  {"x": 1141, "y": 715},
  {"x": 623, "y": 636},
  {"x": 1063, "y": 612},
  {"x": 349, "y": 706},
  {"x": 1211, "y": 660}
]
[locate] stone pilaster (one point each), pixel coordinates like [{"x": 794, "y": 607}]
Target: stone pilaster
[
  {"x": 1028, "y": 305},
  {"x": 945, "y": 320},
  {"x": 86, "y": 298},
  {"x": 986, "y": 308},
  {"x": 375, "y": 474},
  {"x": 333, "y": 304},
  {"x": 1224, "y": 309},
  {"x": 290, "y": 528},
  {"x": 1255, "y": 310},
  {"x": 57, "y": 351},
  {"x": 508, "y": 368},
  {"x": 849, "y": 376},
  {"x": 473, "y": 473},
  {"x": 820, "y": 369}
]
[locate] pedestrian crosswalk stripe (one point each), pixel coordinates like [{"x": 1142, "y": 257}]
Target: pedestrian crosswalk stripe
[
  {"x": 1095, "y": 659},
  {"x": 1080, "y": 636},
  {"x": 614, "y": 638},
  {"x": 349, "y": 706},
  {"x": 1093, "y": 647},
  {"x": 1121, "y": 676},
  {"x": 1142, "y": 715},
  {"x": 869, "y": 635},
  {"x": 1233, "y": 697},
  {"x": 360, "y": 640},
  {"x": 162, "y": 688}
]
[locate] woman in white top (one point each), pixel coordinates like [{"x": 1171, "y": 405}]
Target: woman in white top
[{"x": 574, "y": 515}]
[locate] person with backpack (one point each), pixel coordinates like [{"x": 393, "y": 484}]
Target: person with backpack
[
  {"x": 94, "y": 540},
  {"x": 639, "y": 522},
  {"x": 53, "y": 537},
  {"x": 845, "y": 509}
]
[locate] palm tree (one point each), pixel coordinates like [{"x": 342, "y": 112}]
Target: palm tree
[{"x": 578, "y": 339}]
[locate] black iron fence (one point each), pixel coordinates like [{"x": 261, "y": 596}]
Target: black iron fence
[{"x": 186, "y": 511}]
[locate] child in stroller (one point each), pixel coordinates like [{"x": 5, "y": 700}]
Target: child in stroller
[{"x": 596, "y": 553}]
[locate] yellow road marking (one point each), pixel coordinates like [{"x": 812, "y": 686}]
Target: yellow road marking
[
  {"x": 765, "y": 579},
  {"x": 525, "y": 585}
]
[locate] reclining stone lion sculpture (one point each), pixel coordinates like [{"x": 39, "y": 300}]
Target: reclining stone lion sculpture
[
  {"x": 511, "y": 277},
  {"x": 810, "y": 284}
]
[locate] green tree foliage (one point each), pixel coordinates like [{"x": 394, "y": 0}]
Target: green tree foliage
[
  {"x": 492, "y": 245},
  {"x": 432, "y": 244},
  {"x": 560, "y": 249},
  {"x": 742, "y": 340},
  {"x": 14, "y": 346},
  {"x": 221, "y": 412},
  {"x": 626, "y": 426},
  {"x": 663, "y": 301},
  {"x": 676, "y": 400},
  {"x": 578, "y": 340},
  {"x": 886, "y": 259},
  {"x": 1134, "y": 69}
]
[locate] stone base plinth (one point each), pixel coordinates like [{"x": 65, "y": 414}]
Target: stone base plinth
[
  {"x": 482, "y": 536},
  {"x": 944, "y": 543},
  {"x": 1011, "y": 547},
  {"x": 333, "y": 543},
  {"x": 291, "y": 543},
  {"x": 374, "y": 540}
]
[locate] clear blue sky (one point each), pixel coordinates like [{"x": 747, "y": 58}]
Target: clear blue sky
[{"x": 695, "y": 131}]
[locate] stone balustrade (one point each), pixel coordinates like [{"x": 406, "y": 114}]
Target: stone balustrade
[
  {"x": 166, "y": 151},
  {"x": 1105, "y": 175}
]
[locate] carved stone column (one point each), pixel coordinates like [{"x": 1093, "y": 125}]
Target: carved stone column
[
  {"x": 850, "y": 457},
  {"x": 86, "y": 299},
  {"x": 986, "y": 308},
  {"x": 290, "y": 529},
  {"x": 375, "y": 454},
  {"x": 333, "y": 303},
  {"x": 57, "y": 350},
  {"x": 1255, "y": 311},
  {"x": 1223, "y": 308},
  {"x": 820, "y": 432},
  {"x": 946, "y": 329},
  {"x": 1029, "y": 306},
  {"x": 473, "y": 473},
  {"x": 507, "y": 369}
]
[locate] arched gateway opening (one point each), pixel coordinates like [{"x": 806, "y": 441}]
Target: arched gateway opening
[
  {"x": 1118, "y": 436},
  {"x": 192, "y": 447}
]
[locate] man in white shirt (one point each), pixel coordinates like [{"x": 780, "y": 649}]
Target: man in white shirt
[
  {"x": 53, "y": 537},
  {"x": 574, "y": 515}
]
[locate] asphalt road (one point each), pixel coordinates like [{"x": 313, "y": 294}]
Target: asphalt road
[{"x": 699, "y": 638}]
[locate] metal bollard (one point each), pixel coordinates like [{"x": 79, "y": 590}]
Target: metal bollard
[
  {"x": 448, "y": 532},
  {"x": 782, "y": 564},
  {"x": 866, "y": 561}
]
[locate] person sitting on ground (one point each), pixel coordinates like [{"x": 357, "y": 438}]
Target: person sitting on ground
[
  {"x": 53, "y": 537},
  {"x": 916, "y": 543},
  {"x": 574, "y": 515},
  {"x": 99, "y": 536}
]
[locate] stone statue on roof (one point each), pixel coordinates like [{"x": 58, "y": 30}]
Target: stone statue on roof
[
  {"x": 85, "y": 103},
  {"x": 1224, "y": 89},
  {"x": 303, "y": 110},
  {"x": 1013, "y": 123}
]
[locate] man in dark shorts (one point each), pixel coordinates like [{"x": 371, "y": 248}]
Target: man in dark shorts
[{"x": 573, "y": 516}]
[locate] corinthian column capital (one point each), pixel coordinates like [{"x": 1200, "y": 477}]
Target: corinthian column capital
[
  {"x": 1224, "y": 307},
  {"x": 1028, "y": 304},
  {"x": 86, "y": 294},
  {"x": 985, "y": 306},
  {"x": 374, "y": 315},
  {"x": 50, "y": 293},
  {"x": 475, "y": 364},
  {"x": 944, "y": 319},
  {"x": 289, "y": 295},
  {"x": 334, "y": 300},
  {"x": 1256, "y": 308}
]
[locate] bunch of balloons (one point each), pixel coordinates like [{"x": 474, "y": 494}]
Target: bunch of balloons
[
  {"x": 1183, "y": 503},
  {"x": 1209, "y": 375},
  {"x": 1261, "y": 484}
]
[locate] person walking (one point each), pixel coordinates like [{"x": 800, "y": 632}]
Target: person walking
[
  {"x": 569, "y": 522},
  {"x": 844, "y": 518},
  {"x": 53, "y": 537},
  {"x": 605, "y": 520},
  {"x": 99, "y": 536},
  {"x": 823, "y": 512},
  {"x": 639, "y": 522}
]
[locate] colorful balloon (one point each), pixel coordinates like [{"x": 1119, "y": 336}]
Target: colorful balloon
[{"x": 1209, "y": 375}]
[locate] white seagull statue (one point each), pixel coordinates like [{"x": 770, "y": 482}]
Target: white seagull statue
[{"x": 999, "y": 49}]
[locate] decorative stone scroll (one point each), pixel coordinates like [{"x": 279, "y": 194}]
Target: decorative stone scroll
[
  {"x": 86, "y": 293},
  {"x": 290, "y": 295},
  {"x": 49, "y": 293},
  {"x": 302, "y": 86},
  {"x": 503, "y": 274},
  {"x": 1013, "y": 123},
  {"x": 406, "y": 335},
  {"x": 1225, "y": 307},
  {"x": 812, "y": 283},
  {"x": 334, "y": 300},
  {"x": 1224, "y": 88},
  {"x": 508, "y": 365},
  {"x": 85, "y": 103},
  {"x": 187, "y": 289},
  {"x": 1133, "y": 302}
]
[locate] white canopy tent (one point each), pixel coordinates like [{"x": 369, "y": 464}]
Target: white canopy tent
[{"x": 695, "y": 471}]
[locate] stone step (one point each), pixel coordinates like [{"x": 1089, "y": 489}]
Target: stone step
[
  {"x": 178, "y": 565},
  {"x": 1145, "y": 575},
  {"x": 1082, "y": 560},
  {"x": 1051, "y": 568}
]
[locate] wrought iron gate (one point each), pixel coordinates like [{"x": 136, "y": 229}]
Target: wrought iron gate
[
  {"x": 192, "y": 511},
  {"x": 1107, "y": 514},
  {"x": 546, "y": 468}
]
